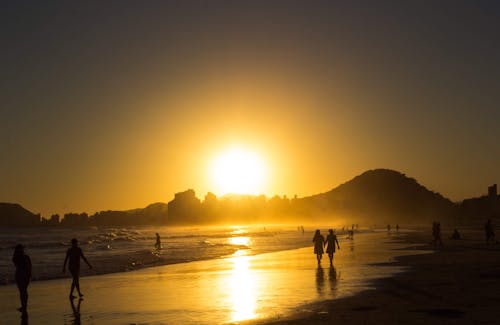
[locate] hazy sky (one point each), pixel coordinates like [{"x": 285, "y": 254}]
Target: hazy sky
[{"x": 118, "y": 104}]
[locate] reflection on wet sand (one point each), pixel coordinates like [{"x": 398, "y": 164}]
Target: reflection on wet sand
[
  {"x": 332, "y": 278},
  {"x": 76, "y": 311},
  {"x": 242, "y": 287},
  {"x": 320, "y": 280},
  {"x": 220, "y": 291}
]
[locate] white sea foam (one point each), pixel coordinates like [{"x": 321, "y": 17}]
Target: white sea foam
[{"x": 122, "y": 249}]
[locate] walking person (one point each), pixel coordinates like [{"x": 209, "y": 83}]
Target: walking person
[
  {"x": 74, "y": 254},
  {"x": 23, "y": 275},
  {"x": 318, "y": 241},
  {"x": 331, "y": 240}
]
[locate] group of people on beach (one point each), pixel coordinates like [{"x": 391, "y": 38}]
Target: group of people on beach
[
  {"x": 22, "y": 262},
  {"x": 389, "y": 228},
  {"x": 320, "y": 242},
  {"x": 489, "y": 232}
]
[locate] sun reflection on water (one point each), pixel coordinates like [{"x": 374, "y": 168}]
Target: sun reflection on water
[
  {"x": 242, "y": 241},
  {"x": 242, "y": 286}
]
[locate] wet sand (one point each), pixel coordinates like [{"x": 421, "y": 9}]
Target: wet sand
[
  {"x": 238, "y": 289},
  {"x": 458, "y": 284}
]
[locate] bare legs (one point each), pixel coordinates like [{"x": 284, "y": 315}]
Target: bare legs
[
  {"x": 318, "y": 257},
  {"x": 23, "y": 294},
  {"x": 330, "y": 256},
  {"x": 75, "y": 284}
]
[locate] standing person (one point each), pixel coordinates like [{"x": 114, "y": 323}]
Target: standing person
[
  {"x": 331, "y": 240},
  {"x": 23, "y": 274},
  {"x": 388, "y": 228},
  {"x": 158, "y": 241},
  {"x": 318, "y": 241},
  {"x": 74, "y": 254},
  {"x": 489, "y": 232},
  {"x": 436, "y": 232}
]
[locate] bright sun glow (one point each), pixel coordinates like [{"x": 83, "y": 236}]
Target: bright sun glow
[{"x": 238, "y": 171}]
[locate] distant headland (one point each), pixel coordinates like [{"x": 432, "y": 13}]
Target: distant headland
[{"x": 378, "y": 195}]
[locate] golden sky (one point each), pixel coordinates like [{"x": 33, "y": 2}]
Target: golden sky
[{"x": 107, "y": 107}]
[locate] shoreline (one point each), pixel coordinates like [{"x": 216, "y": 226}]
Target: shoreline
[
  {"x": 157, "y": 259},
  {"x": 223, "y": 291},
  {"x": 458, "y": 283},
  {"x": 378, "y": 278}
]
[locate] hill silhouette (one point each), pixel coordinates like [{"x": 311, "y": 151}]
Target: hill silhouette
[
  {"x": 12, "y": 214},
  {"x": 382, "y": 194},
  {"x": 379, "y": 195}
]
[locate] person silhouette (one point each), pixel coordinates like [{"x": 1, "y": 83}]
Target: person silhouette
[
  {"x": 436, "y": 233},
  {"x": 331, "y": 240},
  {"x": 318, "y": 241},
  {"x": 456, "y": 235},
  {"x": 489, "y": 231},
  {"x": 22, "y": 263},
  {"x": 158, "y": 241},
  {"x": 74, "y": 254}
]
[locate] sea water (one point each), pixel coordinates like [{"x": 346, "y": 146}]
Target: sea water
[{"x": 121, "y": 249}]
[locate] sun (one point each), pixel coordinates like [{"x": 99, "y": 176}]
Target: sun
[{"x": 238, "y": 171}]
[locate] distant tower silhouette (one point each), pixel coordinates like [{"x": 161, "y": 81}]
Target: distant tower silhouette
[{"x": 492, "y": 191}]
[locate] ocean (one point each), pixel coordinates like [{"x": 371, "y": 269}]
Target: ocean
[{"x": 118, "y": 249}]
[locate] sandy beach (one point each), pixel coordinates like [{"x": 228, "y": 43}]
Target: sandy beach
[
  {"x": 242, "y": 288},
  {"x": 455, "y": 284},
  {"x": 458, "y": 284}
]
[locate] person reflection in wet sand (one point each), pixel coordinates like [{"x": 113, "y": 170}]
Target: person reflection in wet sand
[
  {"x": 23, "y": 275},
  {"x": 320, "y": 280},
  {"x": 332, "y": 277},
  {"x": 331, "y": 240},
  {"x": 73, "y": 255},
  {"x": 76, "y": 311},
  {"x": 318, "y": 241}
]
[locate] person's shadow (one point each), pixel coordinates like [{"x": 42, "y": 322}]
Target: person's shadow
[{"x": 76, "y": 311}]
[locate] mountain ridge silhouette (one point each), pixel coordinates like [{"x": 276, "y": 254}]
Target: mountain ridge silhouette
[{"x": 375, "y": 194}]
